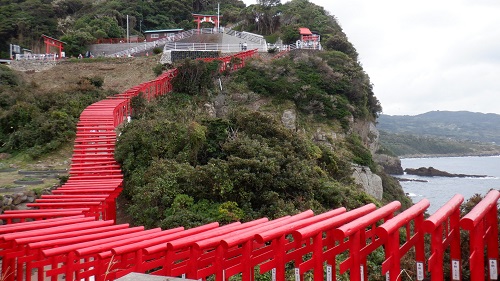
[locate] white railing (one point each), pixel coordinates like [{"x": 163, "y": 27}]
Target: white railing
[
  {"x": 230, "y": 48},
  {"x": 44, "y": 57},
  {"x": 151, "y": 45},
  {"x": 256, "y": 38}
]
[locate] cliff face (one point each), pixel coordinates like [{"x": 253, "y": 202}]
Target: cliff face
[
  {"x": 372, "y": 183},
  {"x": 368, "y": 132}
]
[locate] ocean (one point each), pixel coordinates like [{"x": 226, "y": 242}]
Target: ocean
[{"x": 438, "y": 190}]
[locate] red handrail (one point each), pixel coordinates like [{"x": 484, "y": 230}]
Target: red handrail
[{"x": 482, "y": 224}]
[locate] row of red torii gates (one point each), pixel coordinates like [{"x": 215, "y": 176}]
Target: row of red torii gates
[{"x": 72, "y": 233}]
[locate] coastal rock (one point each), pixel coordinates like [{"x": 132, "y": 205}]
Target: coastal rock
[
  {"x": 432, "y": 172},
  {"x": 372, "y": 183},
  {"x": 391, "y": 165},
  {"x": 368, "y": 133},
  {"x": 289, "y": 119}
]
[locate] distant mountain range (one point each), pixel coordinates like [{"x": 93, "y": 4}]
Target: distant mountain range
[
  {"x": 457, "y": 125},
  {"x": 439, "y": 133}
]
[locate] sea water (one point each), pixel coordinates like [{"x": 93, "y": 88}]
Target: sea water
[{"x": 438, "y": 190}]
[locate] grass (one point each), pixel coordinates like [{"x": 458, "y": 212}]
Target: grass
[{"x": 57, "y": 160}]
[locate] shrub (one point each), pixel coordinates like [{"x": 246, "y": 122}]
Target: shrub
[
  {"x": 195, "y": 77},
  {"x": 158, "y": 69},
  {"x": 8, "y": 77},
  {"x": 97, "y": 81},
  {"x": 157, "y": 50}
]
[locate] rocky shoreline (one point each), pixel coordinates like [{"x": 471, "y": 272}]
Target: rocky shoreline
[
  {"x": 432, "y": 172},
  {"x": 485, "y": 154}
]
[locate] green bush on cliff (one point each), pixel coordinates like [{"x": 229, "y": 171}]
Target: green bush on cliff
[
  {"x": 43, "y": 122},
  {"x": 245, "y": 166},
  {"x": 330, "y": 85}
]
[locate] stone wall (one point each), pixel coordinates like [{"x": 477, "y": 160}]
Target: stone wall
[
  {"x": 17, "y": 200},
  {"x": 32, "y": 65}
]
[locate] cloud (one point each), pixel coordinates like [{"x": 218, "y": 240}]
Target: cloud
[{"x": 426, "y": 55}]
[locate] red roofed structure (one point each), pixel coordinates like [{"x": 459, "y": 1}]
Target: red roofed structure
[
  {"x": 308, "y": 40},
  {"x": 304, "y": 31}
]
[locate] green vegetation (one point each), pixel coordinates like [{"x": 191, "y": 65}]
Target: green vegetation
[
  {"x": 415, "y": 145},
  {"x": 457, "y": 125},
  {"x": 182, "y": 168},
  {"x": 330, "y": 85},
  {"x": 38, "y": 122},
  {"x": 81, "y": 23},
  {"x": 185, "y": 168}
]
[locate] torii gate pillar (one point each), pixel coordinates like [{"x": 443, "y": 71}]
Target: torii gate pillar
[
  {"x": 206, "y": 18},
  {"x": 52, "y": 42}
]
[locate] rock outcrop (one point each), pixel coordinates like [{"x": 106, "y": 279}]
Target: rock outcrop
[
  {"x": 372, "y": 183},
  {"x": 368, "y": 133},
  {"x": 432, "y": 172},
  {"x": 391, "y": 165}
]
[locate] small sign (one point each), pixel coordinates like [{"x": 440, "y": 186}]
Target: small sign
[
  {"x": 329, "y": 276},
  {"x": 361, "y": 272},
  {"x": 183, "y": 276},
  {"x": 273, "y": 274},
  {"x": 455, "y": 270},
  {"x": 297, "y": 274},
  {"x": 493, "y": 269},
  {"x": 387, "y": 276},
  {"x": 420, "y": 271}
]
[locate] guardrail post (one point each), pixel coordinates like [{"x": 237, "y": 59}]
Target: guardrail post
[
  {"x": 445, "y": 223},
  {"x": 482, "y": 224}
]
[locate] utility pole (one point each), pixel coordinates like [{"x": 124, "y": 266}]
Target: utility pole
[
  {"x": 218, "y": 17},
  {"x": 128, "y": 40}
]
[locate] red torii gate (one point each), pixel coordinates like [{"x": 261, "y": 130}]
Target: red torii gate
[
  {"x": 52, "y": 42},
  {"x": 207, "y": 18}
]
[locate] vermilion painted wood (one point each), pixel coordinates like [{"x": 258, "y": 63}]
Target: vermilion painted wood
[
  {"x": 482, "y": 224},
  {"x": 389, "y": 232},
  {"x": 28, "y": 211},
  {"x": 68, "y": 256},
  {"x": 212, "y": 262},
  {"x": 8, "y": 246},
  {"x": 91, "y": 253},
  {"x": 236, "y": 262},
  {"x": 358, "y": 232},
  {"x": 444, "y": 227},
  {"x": 215, "y": 251},
  {"x": 324, "y": 248},
  {"x": 24, "y": 216},
  {"x": 130, "y": 258},
  {"x": 12, "y": 228},
  {"x": 178, "y": 252}
]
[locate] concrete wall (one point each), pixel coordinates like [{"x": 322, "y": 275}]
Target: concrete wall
[{"x": 97, "y": 49}]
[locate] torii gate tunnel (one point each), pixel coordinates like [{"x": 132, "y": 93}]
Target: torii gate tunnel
[
  {"x": 72, "y": 233},
  {"x": 52, "y": 42}
]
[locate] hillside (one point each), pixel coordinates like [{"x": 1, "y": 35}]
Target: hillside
[
  {"x": 460, "y": 125},
  {"x": 274, "y": 137},
  {"x": 117, "y": 74},
  {"x": 441, "y": 133}
]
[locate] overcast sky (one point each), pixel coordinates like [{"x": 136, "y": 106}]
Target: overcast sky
[{"x": 426, "y": 55}]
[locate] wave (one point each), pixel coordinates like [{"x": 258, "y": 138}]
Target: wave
[{"x": 410, "y": 194}]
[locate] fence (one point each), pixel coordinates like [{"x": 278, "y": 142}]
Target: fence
[
  {"x": 255, "y": 38},
  {"x": 230, "y": 48},
  {"x": 73, "y": 235},
  {"x": 150, "y": 45}
]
